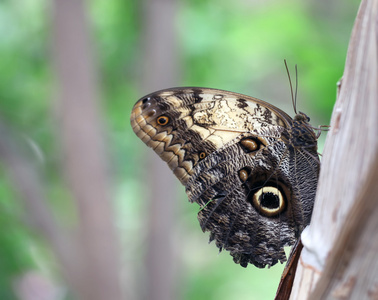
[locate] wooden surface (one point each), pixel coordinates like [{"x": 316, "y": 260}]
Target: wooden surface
[{"x": 341, "y": 245}]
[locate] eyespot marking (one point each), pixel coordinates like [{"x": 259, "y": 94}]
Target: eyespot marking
[
  {"x": 202, "y": 155},
  {"x": 250, "y": 144},
  {"x": 151, "y": 113},
  {"x": 244, "y": 174},
  {"x": 269, "y": 201},
  {"x": 162, "y": 120}
]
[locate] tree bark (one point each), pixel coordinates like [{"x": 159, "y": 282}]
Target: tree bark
[{"x": 340, "y": 255}]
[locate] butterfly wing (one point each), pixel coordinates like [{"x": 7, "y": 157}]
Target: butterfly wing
[{"x": 236, "y": 157}]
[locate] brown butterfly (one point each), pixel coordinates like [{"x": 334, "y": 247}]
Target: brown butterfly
[{"x": 251, "y": 167}]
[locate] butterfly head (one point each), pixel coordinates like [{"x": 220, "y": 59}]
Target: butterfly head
[{"x": 302, "y": 117}]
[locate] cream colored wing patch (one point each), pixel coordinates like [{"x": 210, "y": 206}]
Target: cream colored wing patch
[{"x": 180, "y": 124}]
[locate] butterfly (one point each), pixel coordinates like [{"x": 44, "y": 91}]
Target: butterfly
[{"x": 252, "y": 169}]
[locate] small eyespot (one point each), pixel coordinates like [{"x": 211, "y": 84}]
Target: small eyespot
[
  {"x": 250, "y": 144},
  {"x": 151, "y": 113},
  {"x": 163, "y": 120},
  {"x": 244, "y": 174},
  {"x": 146, "y": 103},
  {"x": 202, "y": 155}
]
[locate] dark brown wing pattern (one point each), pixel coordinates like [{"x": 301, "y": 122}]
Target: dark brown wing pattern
[{"x": 252, "y": 169}]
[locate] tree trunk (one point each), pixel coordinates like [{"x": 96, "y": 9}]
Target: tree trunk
[
  {"x": 160, "y": 71},
  {"x": 340, "y": 255},
  {"x": 84, "y": 160}
]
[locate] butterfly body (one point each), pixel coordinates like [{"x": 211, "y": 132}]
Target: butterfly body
[{"x": 251, "y": 167}]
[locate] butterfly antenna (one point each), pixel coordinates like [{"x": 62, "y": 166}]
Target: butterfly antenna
[
  {"x": 296, "y": 88},
  {"x": 294, "y": 100}
]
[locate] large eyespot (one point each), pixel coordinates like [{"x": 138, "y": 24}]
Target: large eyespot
[
  {"x": 250, "y": 144},
  {"x": 162, "y": 120},
  {"x": 269, "y": 201}
]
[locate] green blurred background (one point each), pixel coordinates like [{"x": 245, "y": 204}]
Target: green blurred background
[{"x": 235, "y": 45}]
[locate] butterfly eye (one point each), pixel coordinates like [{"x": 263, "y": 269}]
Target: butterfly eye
[
  {"x": 302, "y": 117},
  {"x": 250, "y": 144},
  {"x": 163, "y": 120},
  {"x": 202, "y": 155},
  {"x": 269, "y": 201}
]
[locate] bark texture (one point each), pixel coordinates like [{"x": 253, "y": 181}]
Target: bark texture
[{"x": 340, "y": 255}]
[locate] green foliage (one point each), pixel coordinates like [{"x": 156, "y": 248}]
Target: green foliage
[{"x": 233, "y": 45}]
